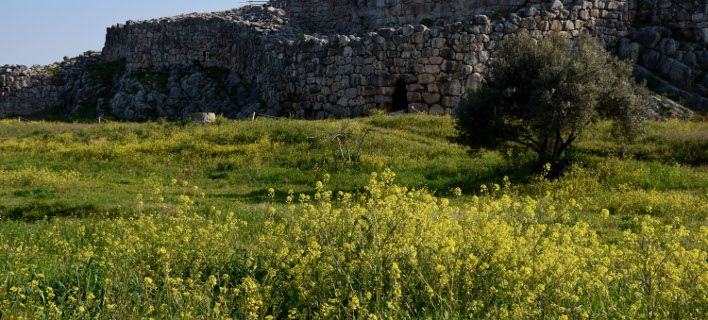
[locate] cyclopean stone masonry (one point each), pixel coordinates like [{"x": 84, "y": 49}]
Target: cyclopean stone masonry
[
  {"x": 341, "y": 58},
  {"x": 347, "y": 16},
  {"x": 668, "y": 47},
  {"x": 323, "y": 75},
  {"x": 26, "y": 91},
  {"x": 688, "y": 18},
  {"x": 246, "y": 41}
]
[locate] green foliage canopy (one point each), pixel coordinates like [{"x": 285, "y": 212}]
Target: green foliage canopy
[{"x": 541, "y": 94}]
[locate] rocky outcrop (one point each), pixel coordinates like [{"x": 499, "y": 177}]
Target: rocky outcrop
[
  {"x": 88, "y": 87},
  {"x": 177, "y": 92},
  {"x": 668, "y": 45},
  {"x": 670, "y": 66},
  {"x": 247, "y": 42},
  {"x": 662, "y": 108}
]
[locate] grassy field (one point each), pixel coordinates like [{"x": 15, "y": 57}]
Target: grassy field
[{"x": 125, "y": 220}]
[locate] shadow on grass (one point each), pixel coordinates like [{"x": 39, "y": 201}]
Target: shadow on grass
[
  {"x": 37, "y": 211},
  {"x": 262, "y": 195},
  {"x": 692, "y": 153},
  {"x": 439, "y": 179}
]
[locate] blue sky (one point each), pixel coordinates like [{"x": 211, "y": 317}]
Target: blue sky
[{"x": 44, "y": 31}]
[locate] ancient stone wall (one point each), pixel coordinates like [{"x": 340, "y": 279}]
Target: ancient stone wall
[
  {"x": 351, "y": 16},
  {"x": 347, "y": 16},
  {"x": 348, "y": 75},
  {"x": 340, "y": 58},
  {"x": 25, "y": 91},
  {"x": 15, "y": 100},
  {"x": 689, "y": 18},
  {"x": 243, "y": 41}
]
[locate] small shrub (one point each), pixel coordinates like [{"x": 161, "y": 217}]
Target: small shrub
[
  {"x": 54, "y": 70},
  {"x": 347, "y": 142}
]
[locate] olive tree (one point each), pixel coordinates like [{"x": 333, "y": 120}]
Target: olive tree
[{"x": 541, "y": 94}]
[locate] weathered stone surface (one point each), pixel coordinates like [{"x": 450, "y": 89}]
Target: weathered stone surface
[
  {"x": 628, "y": 50},
  {"x": 203, "y": 117},
  {"x": 647, "y": 37},
  {"x": 678, "y": 73},
  {"x": 671, "y": 66},
  {"x": 668, "y": 46},
  {"x": 662, "y": 108},
  {"x": 556, "y": 5},
  {"x": 26, "y": 91},
  {"x": 663, "y": 87}
]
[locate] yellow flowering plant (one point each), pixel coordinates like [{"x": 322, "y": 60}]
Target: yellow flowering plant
[{"x": 389, "y": 252}]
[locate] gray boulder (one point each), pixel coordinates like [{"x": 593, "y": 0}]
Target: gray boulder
[
  {"x": 649, "y": 36},
  {"x": 676, "y": 72},
  {"x": 661, "y": 108},
  {"x": 628, "y": 50},
  {"x": 668, "y": 46},
  {"x": 203, "y": 117}
]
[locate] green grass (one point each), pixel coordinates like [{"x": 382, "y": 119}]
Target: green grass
[
  {"x": 69, "y": 169},
  {"x": 79, "y": 205}
]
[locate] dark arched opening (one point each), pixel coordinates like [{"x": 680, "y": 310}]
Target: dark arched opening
[{"x": 400, "y": 97}]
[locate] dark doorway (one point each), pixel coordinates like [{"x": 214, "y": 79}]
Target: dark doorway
[{"x": 400, "y": 97}]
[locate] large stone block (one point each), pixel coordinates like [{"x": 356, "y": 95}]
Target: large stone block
[
  {"x": 678, "y": 73},
  {"x": 203, "y": 117}
]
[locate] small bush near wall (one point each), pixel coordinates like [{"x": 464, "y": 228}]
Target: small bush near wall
[{"x": 541, "y": 95}]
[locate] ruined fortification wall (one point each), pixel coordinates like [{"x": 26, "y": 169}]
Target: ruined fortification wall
[
  {"x": 244, "y": 41},
  {"x": 44, "y": 92},
  {"x": 25, "y": 91},
  {"x": 338, "y": 75},
  {"x": 343, "y": 58},
  {"x": 350, "y": 16},
  {"x": 347, "y": 16}
]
